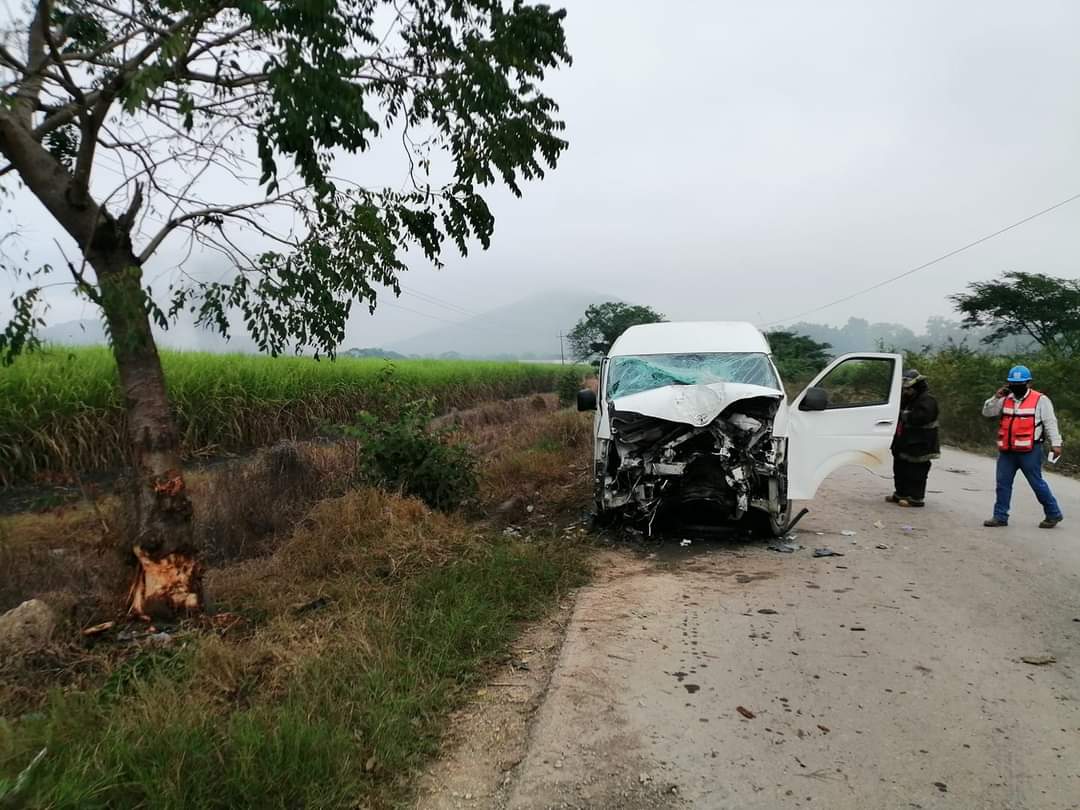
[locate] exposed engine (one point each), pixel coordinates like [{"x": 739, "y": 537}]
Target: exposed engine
[{"x": 730, "y": 466}]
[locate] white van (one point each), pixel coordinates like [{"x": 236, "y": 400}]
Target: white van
[{"x": 693, "y": 417}]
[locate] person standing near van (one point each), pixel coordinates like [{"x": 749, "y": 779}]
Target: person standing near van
[
  {"x": 1027, "y": 422},
  {"x": 916, "y": 443}
]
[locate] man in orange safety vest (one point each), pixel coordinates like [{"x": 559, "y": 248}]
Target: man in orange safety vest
[{"x": 1026, "y": 423}]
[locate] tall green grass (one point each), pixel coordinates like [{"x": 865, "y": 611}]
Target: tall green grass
[{"x": 61, "y": 409}]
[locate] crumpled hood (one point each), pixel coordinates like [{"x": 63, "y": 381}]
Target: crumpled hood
[{"x": 696, "y": 405}]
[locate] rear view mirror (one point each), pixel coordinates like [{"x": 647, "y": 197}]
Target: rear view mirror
[
  {"x": 815, "y": 399},
  {"x": 586, "y": 400}
]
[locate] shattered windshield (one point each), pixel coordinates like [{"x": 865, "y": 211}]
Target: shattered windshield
[{"x": 634, "y": 374}]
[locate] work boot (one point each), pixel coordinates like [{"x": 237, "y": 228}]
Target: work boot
[
  {"x": 1050, "y": 523},
  {"x": 911, "y": 502},
  {"x": 994, "y": 523}
]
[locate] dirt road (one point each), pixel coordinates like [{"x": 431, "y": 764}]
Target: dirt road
[{"x": 725, "y": 675}]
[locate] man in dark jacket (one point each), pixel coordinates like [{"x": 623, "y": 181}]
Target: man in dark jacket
[{"x": 916, "y": 442}]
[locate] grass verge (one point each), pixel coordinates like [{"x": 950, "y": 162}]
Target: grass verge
[{"x": 345, "y": 728}]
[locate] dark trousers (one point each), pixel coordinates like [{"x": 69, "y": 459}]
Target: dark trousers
[{"x": 909, "y": 478}]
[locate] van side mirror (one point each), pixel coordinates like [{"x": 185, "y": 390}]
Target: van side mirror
[
  {"x": 586, "y": 400},
  {"x": 815, "y": 399}
]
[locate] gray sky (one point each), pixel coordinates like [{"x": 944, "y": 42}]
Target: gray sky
[{"x": 754, "y": 160}]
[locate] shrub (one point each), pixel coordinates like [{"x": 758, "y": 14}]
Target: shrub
[
  {"x": 569, "y": 385},
  {"x": 401, "y": 451}
]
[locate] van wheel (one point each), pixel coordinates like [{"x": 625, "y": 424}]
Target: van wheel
[
  {"x": 766, "y": 524},
  {"x": 778, "y": 523}
]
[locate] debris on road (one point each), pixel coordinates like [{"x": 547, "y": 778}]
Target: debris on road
[
  {"x": 827, "y": 552},
  {"x": 685, "y": 543},
  {"x": 1038, "y": 660},
  {"x": 958, "y": 470},
  {"x": 878, "y": 524},
  {"x": 767, "y": 611},
  {"x": 882, "y": 546},
  {"x": 785, "y": 548},
  {"x": 907, "y": 528},
  {"x": 848, "y": 533},
  {"x": 98, "y": 629},
  {"x": 942, "y": 787},
  {"x": 824, "y": 729},
  {"x": 745, "y": 712},
  {"x": 857, "y": 628}
]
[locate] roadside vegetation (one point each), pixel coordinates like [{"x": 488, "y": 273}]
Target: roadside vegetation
[
  {"x": 62, "y": 411},
  {"x": 345, "y": 621}
]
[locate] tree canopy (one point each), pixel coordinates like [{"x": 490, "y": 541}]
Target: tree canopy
[
  {"x": 593, "y": 335},
  {"x": 1035, "y": 304},
  {"x": 797, "y": 357}
]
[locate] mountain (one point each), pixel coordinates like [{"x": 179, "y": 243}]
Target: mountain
[
  {"x": 86, "y": 332},
  {"x": 527, "y": 329}
]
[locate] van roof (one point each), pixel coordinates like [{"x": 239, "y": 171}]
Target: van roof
[{"x": 690, "y": 337}]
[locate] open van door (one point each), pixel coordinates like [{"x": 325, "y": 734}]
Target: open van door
[{"x": 847, "y": 415}]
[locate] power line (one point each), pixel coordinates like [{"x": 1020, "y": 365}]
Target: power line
[{"x": 930, "y": 263}]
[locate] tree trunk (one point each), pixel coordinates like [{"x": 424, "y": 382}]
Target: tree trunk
[{"x": 168, "y": 580}]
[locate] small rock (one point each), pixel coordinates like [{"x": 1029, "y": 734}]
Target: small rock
[
  {"x": 530, "y": 508},
  {"x": 27, "y": 627},
  {"x": 1038, "y": 660},
  {"x": 882, "y": 546},
  {"x": 878, "y": 524}
]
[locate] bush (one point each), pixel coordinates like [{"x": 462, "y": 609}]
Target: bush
[
  {"x": 569, "y": 385},
  {"x": 401, "y": 451}
]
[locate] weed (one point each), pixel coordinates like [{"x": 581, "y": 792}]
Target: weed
[
  {"x": 569, "y": 384},
  {"x": 401, "y": 452}
]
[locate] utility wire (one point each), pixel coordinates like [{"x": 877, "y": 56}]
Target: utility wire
[{"x": 930, "y": 263}]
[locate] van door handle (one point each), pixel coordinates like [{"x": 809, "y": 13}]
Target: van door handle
[{"x": 883, "y": 422}]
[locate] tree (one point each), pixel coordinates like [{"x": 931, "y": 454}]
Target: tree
[
  {"x": 134, "y": 124},
  {"x": 1035, "y": 304},
  {"x": 602, "y": 323},
  {"x": 798, "y": 357}
]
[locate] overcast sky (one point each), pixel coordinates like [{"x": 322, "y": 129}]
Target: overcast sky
[{"x": 734, "y": 160}]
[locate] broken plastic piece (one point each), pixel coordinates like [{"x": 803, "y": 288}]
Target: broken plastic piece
[
  {"x": 785, "y": 548},
  {"x": 826, "y": 552}
]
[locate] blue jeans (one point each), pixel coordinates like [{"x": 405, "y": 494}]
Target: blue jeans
[{"x": 1030, "y": 464}]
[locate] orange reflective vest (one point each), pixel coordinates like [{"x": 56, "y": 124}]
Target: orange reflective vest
[{"x": 1016, "y": 433}]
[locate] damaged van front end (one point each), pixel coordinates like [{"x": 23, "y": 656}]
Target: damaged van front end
[
  {"x": 697, "y": 435},
  {"x": 708, "y": 451}
]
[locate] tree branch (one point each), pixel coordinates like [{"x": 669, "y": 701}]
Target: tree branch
[{"x": 213, "y": 211}]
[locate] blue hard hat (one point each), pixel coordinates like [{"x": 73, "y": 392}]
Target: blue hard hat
[{"x": 1019, "y": 374}]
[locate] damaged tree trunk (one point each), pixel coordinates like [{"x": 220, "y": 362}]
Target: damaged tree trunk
[{"x": 168, "y": 579}]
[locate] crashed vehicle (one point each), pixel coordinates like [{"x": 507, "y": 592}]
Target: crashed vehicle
[{"x": 693, "y": 422}]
